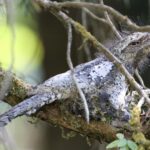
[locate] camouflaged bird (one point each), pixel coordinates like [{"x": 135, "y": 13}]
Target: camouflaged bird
[{"x": 104, "y": 86}]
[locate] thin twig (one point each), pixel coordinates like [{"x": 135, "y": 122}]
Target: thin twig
[
  {"x": 92, "y": 15},
  {"x": 70, "y": 64},
  {"x": 110, "y": 22},
  {"x": 139, "y": 78},
  {"x": 99, "y": 8},
  {"x": 82, "y": 45},
  {"x": 86, "y": 48}
]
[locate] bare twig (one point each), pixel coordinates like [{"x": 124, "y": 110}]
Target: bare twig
[
  {"x": 111, "y": 23},
  {"x": 91, "y": 14},
  {"x": 86, "y": 48},
  {"x": 139, "y": 78},
  {"x": 100, "y": 8},
  {"x": 73, "y": 75},
  {"x": 82, "y": 45}
]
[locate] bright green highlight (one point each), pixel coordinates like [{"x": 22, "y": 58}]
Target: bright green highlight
[
  {"x": 28, "y": 50},
  {"x": 122, "y": 143}
]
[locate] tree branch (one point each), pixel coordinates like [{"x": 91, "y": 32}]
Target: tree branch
[
  {"x": 53, "y": 8},
  {"x": 53, "y": 113},
  {"x": 62, "y": 86},
  {"x": 98, "y": 8}
]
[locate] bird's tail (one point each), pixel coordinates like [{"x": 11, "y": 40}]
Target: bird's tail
[{"x": 27, "y": 107}]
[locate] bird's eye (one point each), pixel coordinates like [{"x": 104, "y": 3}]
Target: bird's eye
[{"x": 135, "y": 43}]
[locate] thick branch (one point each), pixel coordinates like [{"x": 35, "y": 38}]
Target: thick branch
[{"x": 53, "y": 113}]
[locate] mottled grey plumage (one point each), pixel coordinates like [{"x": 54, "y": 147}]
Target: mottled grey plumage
[{"x": 103, "y": 85}]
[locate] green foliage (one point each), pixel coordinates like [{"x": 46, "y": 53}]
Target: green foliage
[
  {"x": 122, "y": 143},
  {"x": 131, "y": 145}
]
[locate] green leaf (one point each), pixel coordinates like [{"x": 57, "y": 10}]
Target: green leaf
[
  {"x": 132, "y": 145},
  {"x": 122, "y": 143},
  {"x": 113, "y": 144},
  {"x": 124, "y": 148},
  {"x": 120, "y": 136}
]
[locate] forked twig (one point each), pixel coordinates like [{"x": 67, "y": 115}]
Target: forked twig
[
  {"x": 110, "y": 23},
  {"x": 99, "y": 8}
]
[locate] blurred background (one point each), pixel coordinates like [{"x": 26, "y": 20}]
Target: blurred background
[{"x": 40, "y": 52}]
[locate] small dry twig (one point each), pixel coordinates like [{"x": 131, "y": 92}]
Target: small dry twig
[
  {"x": 92, "y": 15},
  {"x": 100, "y": 8},
  {"x": 140, "y": 78},
  {"x": 70, "y": 64},
  {"x": 86, "y": 48},
  {"x": 111, "y": 23}
]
